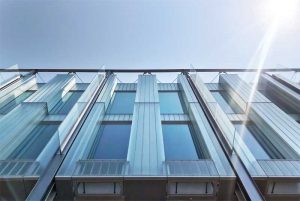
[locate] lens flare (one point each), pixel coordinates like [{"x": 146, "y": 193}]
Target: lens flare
[{"x": 281, "y": 11}]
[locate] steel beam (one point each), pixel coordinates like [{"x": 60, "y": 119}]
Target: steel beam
[{"x": 150, "y": 70}]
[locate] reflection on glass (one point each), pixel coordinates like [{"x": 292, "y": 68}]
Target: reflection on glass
[
  {"x": 179, "y": 143},
  {"x": 121, "y": 103},
  {"x": 35, "y": 142},
  {"x": 66, "y": 103},
  {"x": 257, "y": 142},
  {"x": 171, "y": 103},
  {"x": 280, "y": 103},
  {"x": 111, "y": 142},
  {"x": 15, "y": 102},
  {"x": 223, "y": 100}
]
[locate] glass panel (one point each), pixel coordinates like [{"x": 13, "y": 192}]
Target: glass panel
[
  {"x": 171, "y": 103},
  {"x": 111, "y": 142},
  {"x": 34, "y": 143},
  {"x": 229, "y": 107},
  {"x": 66, "y": 103},
  {"x": 121, "y": 103},
  {"x": 258, "y": 144},
  {"x": 178, "y": 142},
  {"x": 15, "y": 102}
]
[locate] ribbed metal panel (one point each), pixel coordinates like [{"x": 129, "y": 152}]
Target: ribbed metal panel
[
  {"x": 204, "y": 130},
  {"x": 214, "y": 86},
  {"x": 237, "y": 117},
  {"x": 9, "y": 168},
  {"x": 126, "y": 87},
  {"x": 146, "y": 149},
  {"x": 281, "y": 129},
  {"x": 52, "y": 92},
  {"x": 191, "y": 168},
  {"x": 164, "y": 117},
  {"x": 281, "y": 167},
  {"x": 168, "y": 87},
  {"x": 175, "y": 118},
  {"x": 271, "y": 119},
  {"x": 284, "y": 93},
  {"x": 100, "y": 168},
  {"x": 118, "y": 117},
  {"x": 240, "y": 91}
]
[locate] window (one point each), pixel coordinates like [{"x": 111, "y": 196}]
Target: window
[
  {"x": 66, "y": 103},
  {"x": 223, "y": 99},
  {"x": 179, "y": 143},
  {"x": 15, "y": 102},
  {"x": 171, "y": 103},
  {"x": 35, "y": 142},
  {"x": 257, "y": 142},
  {"x": 121, "y": 103},
  {"x": 111, "y": 142}
]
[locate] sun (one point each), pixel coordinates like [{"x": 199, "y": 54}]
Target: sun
[{"x": 281, "y": 11}]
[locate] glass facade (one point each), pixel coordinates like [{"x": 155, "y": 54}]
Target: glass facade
[
  {"x": 171, "y": 103},
  {"x": 226, "y": 104},
  {"x": 148, "y": 140},
  {"x": 66, "y": 103},
  {"x": 179, "y": 143},
  {"x": 259, "y": 145},
  {"x": 15, "y": 102},
  {"x": 35, "y": 142},
  {"x": 121, "y": 103},
  {"x": 111, "y": 142}
]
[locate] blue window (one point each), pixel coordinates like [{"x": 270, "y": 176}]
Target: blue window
[
  {"x": 179, "y": 143},
  {"x": 223, "y": 99},
  {"x": 15, "y": 102},
  {"x": 66, "y": 103},
  {"x": 171, "y": 103},
  {"x": 35, "y": 142},
  {"x": 257, "y": 142},
  {"x": 121, "y": 103},
  {"x": 111, "y": 142}
]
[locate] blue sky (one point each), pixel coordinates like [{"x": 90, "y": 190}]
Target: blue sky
[{"x": 214, "y": 33}]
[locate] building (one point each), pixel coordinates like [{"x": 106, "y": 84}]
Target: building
[{"x": 147, "y": 140}]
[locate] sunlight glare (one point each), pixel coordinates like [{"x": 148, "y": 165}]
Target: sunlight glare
[{"x": 281, "y": 11}]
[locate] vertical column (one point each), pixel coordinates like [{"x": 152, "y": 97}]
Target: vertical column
[
  {"x": 234, "y": 140},
  {"x": 203, "y": 129},
  {"x": 283, "y": 89},
  {"x": 146, "y": 149},
  {"x": 266, "y": 115}
]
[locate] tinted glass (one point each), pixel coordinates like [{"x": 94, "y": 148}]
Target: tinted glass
[
  {"x": 15, "y": 102},
  {"x": 34, "y": 143},
  {"x": 66, "y": 103},
  {"x": 171, "y": 103},
  {"x": 258, "y": 144},
  {"x": 121, "y": 103},
  {"x": 111, "y": 142},
  {"x": 178, "y": 143},
  {"x": 223, "y": 100}
]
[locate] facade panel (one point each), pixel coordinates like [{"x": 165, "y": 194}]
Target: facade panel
[{"x": 188, "y": 140}]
